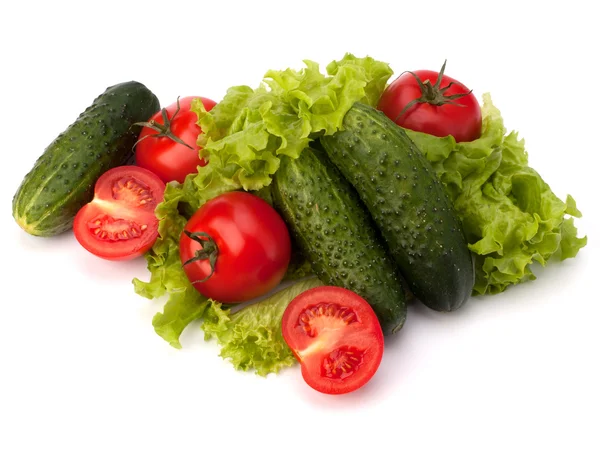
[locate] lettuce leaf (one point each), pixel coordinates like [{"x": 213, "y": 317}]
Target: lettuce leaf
[
  {"x": 251, "y": 337},
  {"x": 246, "y": 133},
  {"x": 510, "y": 215},
  {"x": 184, "y": 303}
]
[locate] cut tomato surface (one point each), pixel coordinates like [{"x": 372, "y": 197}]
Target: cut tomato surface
[
  {"x": 335, "y": 335},
  {"x": 119, "y": 223}
]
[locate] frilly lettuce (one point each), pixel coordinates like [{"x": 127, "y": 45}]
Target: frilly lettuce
[
  {"x": 246, "y": 133},
  {"x": 184, "y": 303},
  {"x": 251, "y": 337},
  {"x": 510, "y": 215}
]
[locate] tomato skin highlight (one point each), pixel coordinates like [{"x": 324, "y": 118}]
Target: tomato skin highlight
[
  {"x": 165, "y": 157},
  {"x": 253, "y": 243},
  {"x": 335, "y": 335},
  {"x": 462, "y": 122},
  {"x": 119, "y": 223}
]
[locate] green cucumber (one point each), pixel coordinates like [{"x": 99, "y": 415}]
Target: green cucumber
[
  {"x": 62, "y": 179},
  {"x": 335, "y": 233},
  {"x": 408, "y": 204}
]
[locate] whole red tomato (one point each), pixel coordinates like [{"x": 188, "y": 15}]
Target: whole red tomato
[
  {"x": 235, "y": 248},
  {"x": 167, "y": 143},
  {"x": 433, "y": 103}
]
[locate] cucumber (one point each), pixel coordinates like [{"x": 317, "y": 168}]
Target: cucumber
[
  {"x": 299, "y": 267},
  {"x": 62, "y": 179},
  {"x": 335, "y": 233},
  {"x": 408, "y": 204}
]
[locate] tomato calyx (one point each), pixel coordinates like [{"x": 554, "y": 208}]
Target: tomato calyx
[
  {"x": 209, "y": 251},
  {"x": 433, "y": 94},
  {"x": 163, "y": 129}
]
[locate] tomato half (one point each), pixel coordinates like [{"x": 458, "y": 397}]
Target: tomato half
[
  {"x": 119, "y": 223},
  {"x": 167, "y": 143},
  {"x": 433, "y": 103},
  {"x": 235, "y": 248},
  {"x": 336, "y": 336}
]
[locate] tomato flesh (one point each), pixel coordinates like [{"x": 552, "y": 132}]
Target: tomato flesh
[
  {"x": 335, "y": 335},
  {"x": 461, "y": 119},
  {"x": 342, "y": 362},
  {"x": 119, "y": 223},
  {"x": 253, "y": 244},
  {"x": 168, "y": 159}
]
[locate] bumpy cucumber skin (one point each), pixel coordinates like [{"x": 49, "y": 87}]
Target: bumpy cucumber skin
[
  {"x": 335, "y": 233},
  {"x": 408, "y": 204},
  {"x": 62, "y": 179}
]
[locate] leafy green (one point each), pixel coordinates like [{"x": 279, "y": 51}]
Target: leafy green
[
  {"x": 182, "y": 308},
  {"x": 251, "y": 337},
  {"x": 246, "y": 133},
  {"x": 167, "y": 277},
  {"x": 510, "y": 215}
]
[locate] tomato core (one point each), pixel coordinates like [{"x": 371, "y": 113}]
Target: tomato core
[
  {"x": 342, "y": 362},
  {"x": 109, "y": 228}
]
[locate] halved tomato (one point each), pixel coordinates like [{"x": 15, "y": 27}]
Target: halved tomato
[
  {"x": 119, "y": 223},
  {"x": 335, "y": 335}
]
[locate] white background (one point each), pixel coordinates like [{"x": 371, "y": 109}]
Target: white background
[{"x": 83, "y": 373}]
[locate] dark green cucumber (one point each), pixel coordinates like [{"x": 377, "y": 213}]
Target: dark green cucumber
[
  {"x": 335, "y": 233},
  {"x": 62, "y": 179},
  {"x": 408, "y": 204},
  {"x": 299, "y": 267}
]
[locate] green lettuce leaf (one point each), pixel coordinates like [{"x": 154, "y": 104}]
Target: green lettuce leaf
[
  {"x": 184, "y": 303},
  {"x": 251, "y": 337},
  {"x": 510, "y": 215},
  {"x": 245, "y": 134},
  {"x": 181, "y": 309}
]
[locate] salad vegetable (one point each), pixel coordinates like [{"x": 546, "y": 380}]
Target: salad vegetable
[
  {"x": 119, "y": 223},
  {"x": 335, "y": 232},
  {"x": 432, "y": 103},
  {"x": 246, "y": 133},
  {"x": 235, "y": 248},
  {"x": 62, "y": 179},
  {"x": 167, "y": 142},
  {"x": 251, "y": 338},
  {"x": 336, "y": 337},
  {"x": 408, "y": 204},
  {"x": 509, "y": 214}
]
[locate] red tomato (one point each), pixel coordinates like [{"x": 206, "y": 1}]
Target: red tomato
[
  {"x": 119, "y": 223},
  {"x": 244, "y": 250},
  {"x": 336, "y": 336},
  {"x": 167, "y": 143},
  {"x": 433, "y": 103}
]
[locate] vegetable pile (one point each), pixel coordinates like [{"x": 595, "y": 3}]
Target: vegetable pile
[{"x": 329, "y": 201}]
